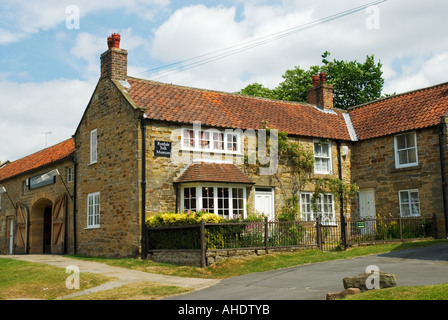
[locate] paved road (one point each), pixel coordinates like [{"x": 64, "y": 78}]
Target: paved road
[{"x": 420, "y": 266}]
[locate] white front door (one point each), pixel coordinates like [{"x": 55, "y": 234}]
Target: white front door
[
  {"x": 264, "y": 202},
  {"x": 367, "y": 210},
  {"x": 367, "y": 203}
]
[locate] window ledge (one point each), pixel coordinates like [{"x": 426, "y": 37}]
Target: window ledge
[
  {"x": 409, "y": 168},
  {"x": 92, "y": 227}
]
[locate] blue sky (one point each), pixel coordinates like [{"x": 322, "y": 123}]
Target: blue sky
[{"x": 49, "y": 71}]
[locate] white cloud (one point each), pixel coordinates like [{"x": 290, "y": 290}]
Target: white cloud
[
  {"x": 405, "y": 29},
  {"x": 24, "y": 17},
  {"x": 29, "y": 109}
]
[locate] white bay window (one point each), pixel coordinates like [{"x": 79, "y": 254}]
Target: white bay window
[{"x": 226, "y": 201}]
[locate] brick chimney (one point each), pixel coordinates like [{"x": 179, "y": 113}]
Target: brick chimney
[
  {"x": 321, "y": 94},
  {"x": 115, "y": 60}
]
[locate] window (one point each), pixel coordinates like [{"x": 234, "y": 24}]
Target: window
[
  {"x": 409, "y": 203},
  {"x": 226, "y": 202},
  {"x": 189, "y": 198},
  {"x": 93, "y": 146},
  {"x": 305, "y": 207},
  {"x": 93, "y": 210},
  {"x": 232, "y": 142},
  {"x": 204, "y": 140},
  {"x": 324, "y": 207},
  {"x": 218, "y": 140},
  {"x": 208, "y": 199},
  {"x": 188, "y": 138},
  {"x": 406, "y": 150},
  {"x": 210, "y": 140},
  {"x": 223, "y": 202},
  {"x": 238, "y": 202},
  {"x": 322, "y": 157},
  {"x": 69, "y": 174}
]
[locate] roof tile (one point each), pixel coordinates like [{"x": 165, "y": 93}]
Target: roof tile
[
  {"x": 41, "y": 158},
  {"x": 167, "y": 102},
  {"x": 214, "y": 172},
  {"x": 400, "y": 113}
]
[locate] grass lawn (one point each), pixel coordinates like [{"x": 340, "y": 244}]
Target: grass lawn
[
  {"x": 26, "y": 280},
  {"x": 433, "y": 292}
]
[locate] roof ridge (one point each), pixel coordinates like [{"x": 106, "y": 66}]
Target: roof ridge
[
  {"x": 397, "y": 96},
  {"x": 236, "y": 94}
]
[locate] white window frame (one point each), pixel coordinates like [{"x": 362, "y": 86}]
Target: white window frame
[
  {"x": 312, "y": 214},
  {"x": 215, "y": 186},
  {"x": 396, "y": 150},
  {"x": 93, "y": 210},
  {"x": 93, "y": 146},
  {"x": 0, "y": 201},
  {"x": 198, "y": 143},
  {"x": 70, "y": 174},
  {"x": 329, "y": 158},
  {"x": 410, "y": 203}
]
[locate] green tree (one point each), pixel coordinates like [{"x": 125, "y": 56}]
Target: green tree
[
  {"x": 353, "y": 82},
  {"x": 258, "y": 90}
]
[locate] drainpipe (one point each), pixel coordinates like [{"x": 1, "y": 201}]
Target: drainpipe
[
  {"x": 442, "y": 165},
  {"x": 341, "y": 197},
  {"x": 75, "y": 165},
  {"x": 143, "y": 188}
]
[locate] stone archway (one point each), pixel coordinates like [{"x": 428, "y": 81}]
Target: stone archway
[{"x": 40, "y": 227}]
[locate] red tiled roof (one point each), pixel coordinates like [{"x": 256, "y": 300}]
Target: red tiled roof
[
  {"x": 214, "y": 172},
  {"x": 41, "y": 158},
  {"x": 172, "y": 103},
  {"x": 404, "y": 112}
]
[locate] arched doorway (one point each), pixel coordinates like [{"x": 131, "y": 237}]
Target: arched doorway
[{"x": 40, "y": 227}]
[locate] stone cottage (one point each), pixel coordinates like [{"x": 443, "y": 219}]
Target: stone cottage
[
  {"x": 400, "y": 159},
  {"x": 143, "y": 147},
  {"x": 37, "y": 201}
]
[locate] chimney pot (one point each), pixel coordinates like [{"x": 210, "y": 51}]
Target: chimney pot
[
  {"x": 110, "y": 42},
  {"x": 323, "y": 78},
  {"x": 315, "y": 79},
  {"x": 116, "y": 40}
]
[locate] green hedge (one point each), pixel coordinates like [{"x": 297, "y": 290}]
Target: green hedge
[{"x": 226, "y": 234}]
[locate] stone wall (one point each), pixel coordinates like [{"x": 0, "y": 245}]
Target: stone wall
[
  {"x": 193, "y": 257},
  {"x": 116, "y": 174},
  {"x": 373, "y": 167}
]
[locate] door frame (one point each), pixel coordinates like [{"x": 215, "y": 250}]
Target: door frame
[{"x": 269, "y": 192}]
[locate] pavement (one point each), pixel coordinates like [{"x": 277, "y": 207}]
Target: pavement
[{"x": 418, "y": 266}]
